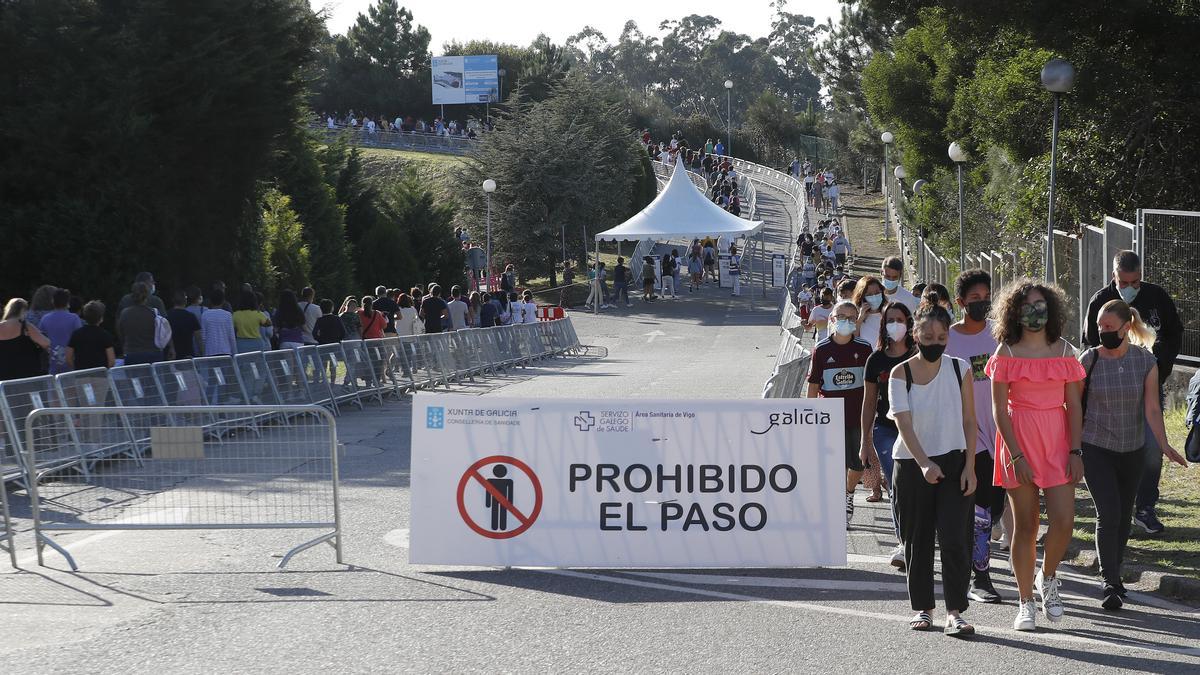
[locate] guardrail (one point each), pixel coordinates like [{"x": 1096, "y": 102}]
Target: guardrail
[
  {"x": 417, "y": 141},
  {"x": 354, "y": 372}
]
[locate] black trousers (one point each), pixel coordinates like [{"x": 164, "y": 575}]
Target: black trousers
[
  {"x": 940, "y": 511},
  {"x": 1112, "y": 478}
]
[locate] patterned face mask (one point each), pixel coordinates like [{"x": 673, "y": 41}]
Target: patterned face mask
[{"x": 1034, "y": 315}]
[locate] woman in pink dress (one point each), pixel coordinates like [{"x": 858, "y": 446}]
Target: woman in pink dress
[{"x": 1036, "y": 388}]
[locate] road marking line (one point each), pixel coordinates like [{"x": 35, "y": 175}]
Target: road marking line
[
  {"x": 842, "y": 611},
  {"x": 776, "y": 582}
]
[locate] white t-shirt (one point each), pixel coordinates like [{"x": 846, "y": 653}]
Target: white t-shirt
[
  {"x": 312, "y": 312},
  {"x": 530, "y": 313},
  {"x": 903, "y": 295},
  {"x": 936, "y": 410},
  {"x": 458, "y": 314},
  {"x": 819, "y": 317},
  {"x": 869, "y": 330}
]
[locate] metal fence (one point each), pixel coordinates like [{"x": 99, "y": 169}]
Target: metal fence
[
  {"x": 204, "y": 469},
  {"x": 417, "y": 141},
  {"x": 1170, "y": 246},
  {"x": 242, "y": 397}
]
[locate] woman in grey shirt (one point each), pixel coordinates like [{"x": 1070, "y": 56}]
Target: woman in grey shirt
[{"x": 1120, "y": 396}]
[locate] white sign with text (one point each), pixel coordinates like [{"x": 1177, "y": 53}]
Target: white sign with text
[{"x": 637, "y": 483}]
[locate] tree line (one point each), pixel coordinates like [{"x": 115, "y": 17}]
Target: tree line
[
  {"x": 154, "y": 135},
  {"x": 937, "y": 71}
]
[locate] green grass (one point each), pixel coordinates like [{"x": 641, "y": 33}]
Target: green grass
[
  {"x": 1176, "y": 551},
  {"x": 412, "y": 156}
]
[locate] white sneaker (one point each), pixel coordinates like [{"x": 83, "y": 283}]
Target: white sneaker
[
  {"x": 1052, "y": 604},
  {"x": 1026, "y": 616},
  {"x": 898, "y": 558}
]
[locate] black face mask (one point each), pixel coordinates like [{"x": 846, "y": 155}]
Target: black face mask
[
  {"x": 931, "y": 353},
  {"x": 1111, "y": 339},
  {"x": 979, "y": 309}
]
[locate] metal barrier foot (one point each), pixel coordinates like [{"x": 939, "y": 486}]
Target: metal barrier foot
[
  {"x": 330, "y": 538},
  {"x": 44, "y": 541}
]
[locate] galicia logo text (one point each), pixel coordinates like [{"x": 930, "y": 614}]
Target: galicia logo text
[{"x": 796, "y": 416}]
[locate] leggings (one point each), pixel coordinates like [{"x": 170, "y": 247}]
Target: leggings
[
  {"x": 1112, "y": 479},
  {"x": 939, "y": 510},
  {"x": 989, "y": 506}
]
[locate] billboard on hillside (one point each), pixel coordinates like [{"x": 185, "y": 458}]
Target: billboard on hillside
[{"x": 464, "y": 79}]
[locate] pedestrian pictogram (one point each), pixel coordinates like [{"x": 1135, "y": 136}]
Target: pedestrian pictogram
[{"x": 500, "y": 494}]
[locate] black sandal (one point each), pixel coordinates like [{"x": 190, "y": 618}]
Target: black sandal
[
  {"x": 956, "y": 626},
  {"x": 922, "y": 621}
]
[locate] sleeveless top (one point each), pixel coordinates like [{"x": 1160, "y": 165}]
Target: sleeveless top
[{"x": 20, "y": 356}]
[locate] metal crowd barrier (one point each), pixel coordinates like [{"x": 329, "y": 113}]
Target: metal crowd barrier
[
  {"x": 237, "y": 398},
  {"x": 284, "y": 477}
]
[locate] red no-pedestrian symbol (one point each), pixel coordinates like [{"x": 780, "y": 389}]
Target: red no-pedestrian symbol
[{"x": 498, "y": 495}]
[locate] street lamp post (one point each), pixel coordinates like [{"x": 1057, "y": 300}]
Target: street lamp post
[
  {"x": 489, "y": 186},
  {"x": 729, "y": 117},
  {"x": 887, "y": 138},
  {"x": 1058, "y": 77},
  {"x": 958, "y": 155}
]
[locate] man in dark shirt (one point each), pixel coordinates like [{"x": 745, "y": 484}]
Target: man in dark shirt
[
  {"x": 185, "y": 327},
  {"x": 1158, "y": 310},
  {"x": 329, "y": 328},
  {"x": 91, "y": 346},
  {"x": 434, "y": 310},
  {"x": 488, "y": 312},
  {"x": 384, "y": 303}
]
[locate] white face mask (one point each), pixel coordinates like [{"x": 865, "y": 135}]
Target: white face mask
[
  {"x": 844, "y": 327},
  {"x": 890, "y": 285},
  {"x": 896, "y": 331},
  {"x": 874, "y": 300}
]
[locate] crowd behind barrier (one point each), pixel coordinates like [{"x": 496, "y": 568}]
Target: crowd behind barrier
[
  {"x": 334, "y": 376},
  {"x": 417, "y": 141}
]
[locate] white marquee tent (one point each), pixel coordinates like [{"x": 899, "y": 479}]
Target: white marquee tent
[{"x": 680, "y": 211}]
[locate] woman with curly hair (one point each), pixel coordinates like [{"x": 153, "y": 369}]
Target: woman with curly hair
[{"x": 1036, "y": 385}]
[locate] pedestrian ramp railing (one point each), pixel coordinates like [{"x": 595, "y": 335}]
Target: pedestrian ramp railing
[
  {"x": 247, "y": 395},
  {"x": 792, "y": 359}
]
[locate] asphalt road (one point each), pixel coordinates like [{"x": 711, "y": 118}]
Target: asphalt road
[{"x": 211, "y": 601}]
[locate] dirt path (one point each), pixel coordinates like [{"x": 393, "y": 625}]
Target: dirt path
[{"x": 863, "y": 214}]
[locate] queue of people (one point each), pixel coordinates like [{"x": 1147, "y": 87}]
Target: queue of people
[
  {"x": 977, "y": 422},
  {"x": 57, "y": 332}
]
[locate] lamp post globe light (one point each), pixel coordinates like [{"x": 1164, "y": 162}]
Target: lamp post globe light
[
  {"x": 489, "y": 186},
  {"x": 901, "y": 173},
  {"x": 728, "y": 118},
  {"x": 918, "y": 184},
  {"x": 958, "y": 156},
  {"x": 886, "y": 138},
  {"x": 1058, "y": 77}
]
